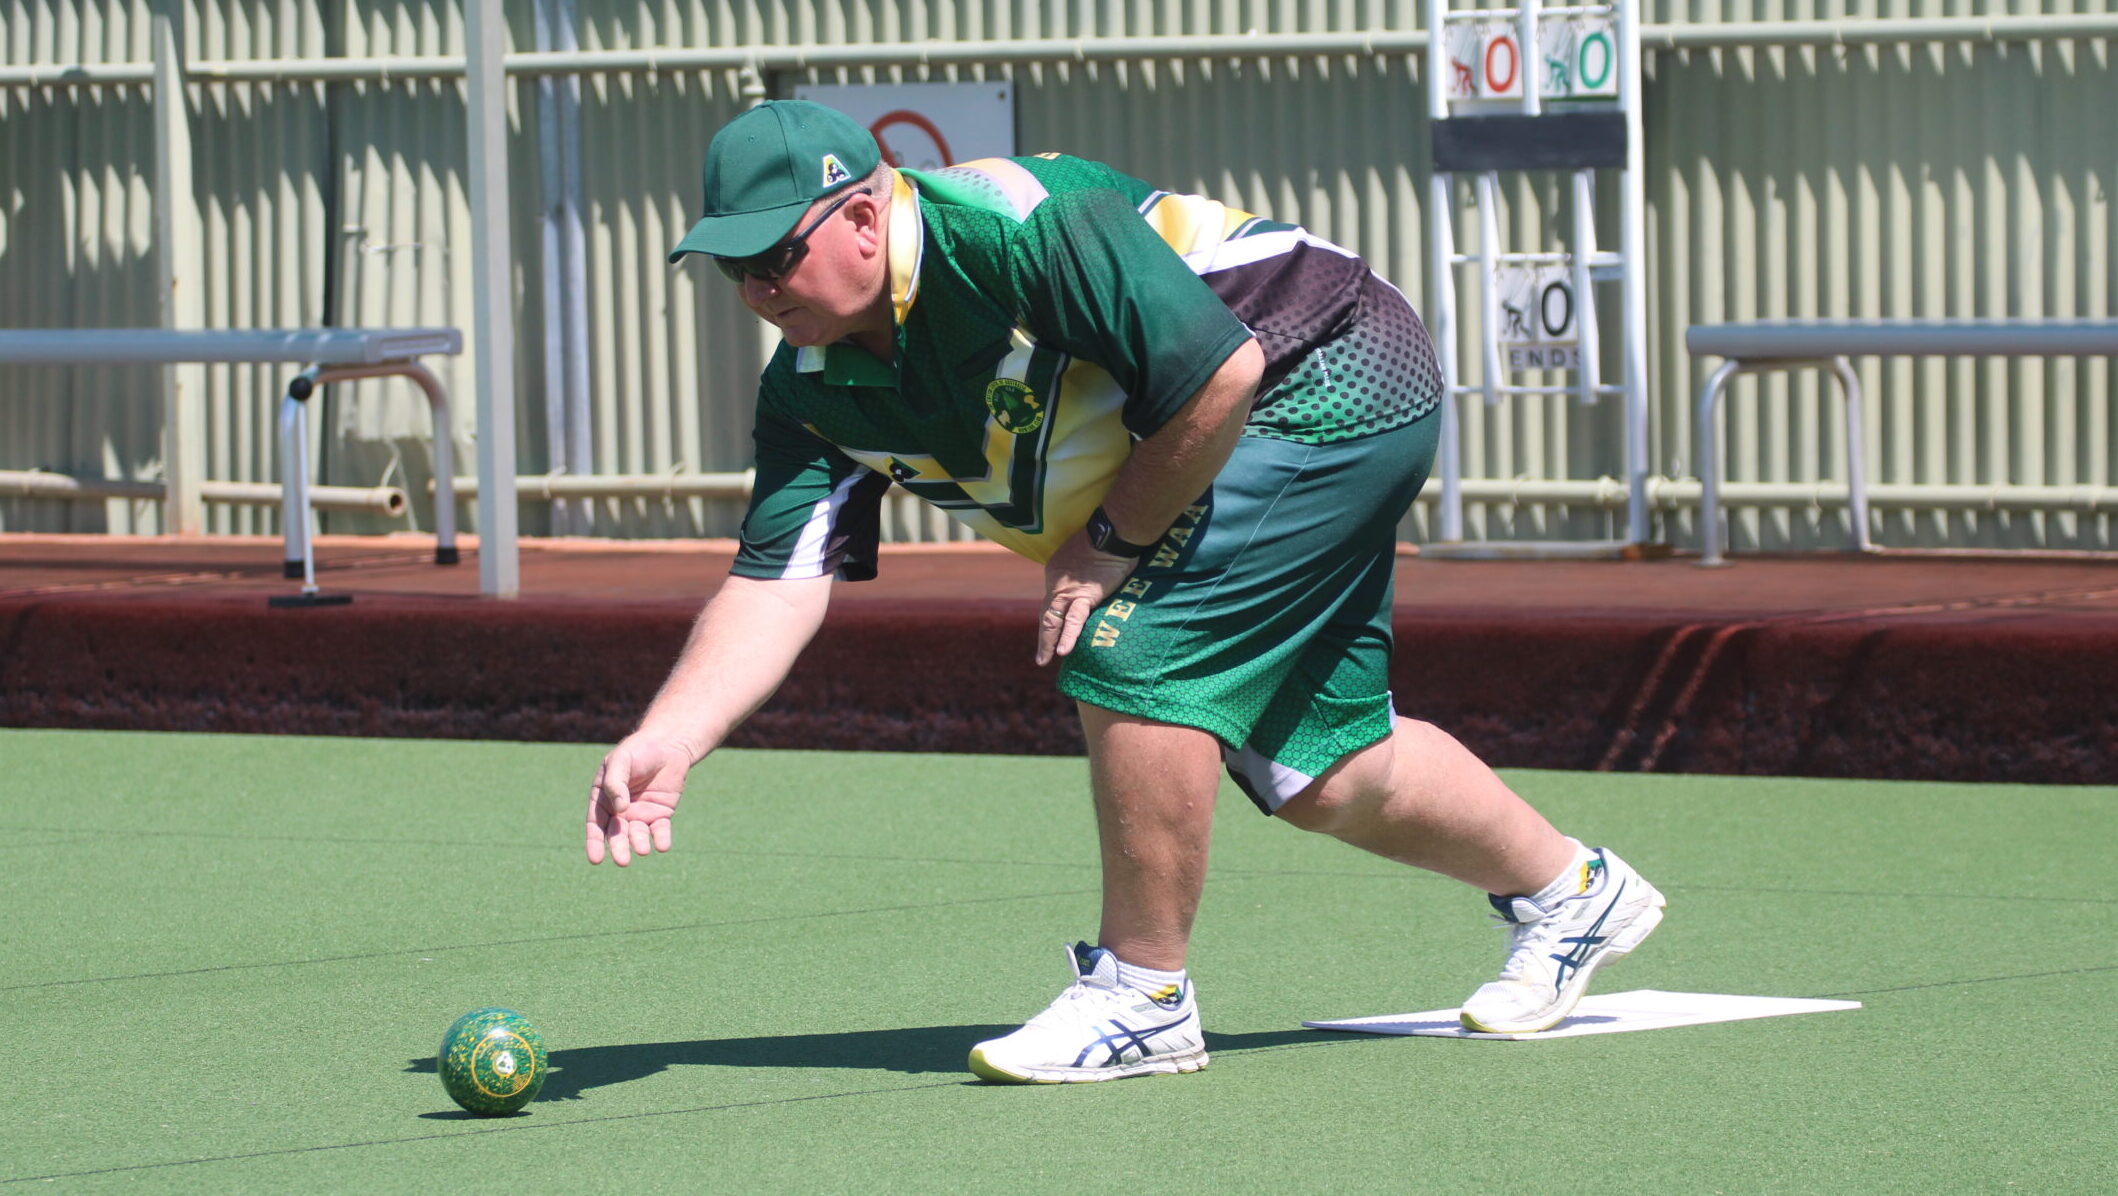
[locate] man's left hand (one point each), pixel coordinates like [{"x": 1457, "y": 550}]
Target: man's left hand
[{"x": 1076, "y": 581}]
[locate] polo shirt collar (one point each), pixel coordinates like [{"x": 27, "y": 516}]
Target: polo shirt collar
[{"x": 908, "y": 246}]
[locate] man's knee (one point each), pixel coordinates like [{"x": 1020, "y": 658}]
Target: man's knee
[{"x": 1348, "y": 792}]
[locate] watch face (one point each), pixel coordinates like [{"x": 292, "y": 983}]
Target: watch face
[
  {"x": 1099, "y": 533},
  {"x": 1104, "y": 538}
]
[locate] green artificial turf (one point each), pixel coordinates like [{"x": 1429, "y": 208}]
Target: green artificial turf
[{"x": 227, "y": 961}]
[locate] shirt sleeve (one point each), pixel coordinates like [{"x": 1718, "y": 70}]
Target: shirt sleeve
[
  {"x": 813, "y": 510},
  {"x": 1093, "y": 278}
]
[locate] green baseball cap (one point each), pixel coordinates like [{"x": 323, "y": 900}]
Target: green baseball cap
[{"x": 765, "y": 168}]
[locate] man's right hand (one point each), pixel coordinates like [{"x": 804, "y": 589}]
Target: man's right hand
[
  {"x": 740, "y": 649},
  {"x": 635, "y": 793}
]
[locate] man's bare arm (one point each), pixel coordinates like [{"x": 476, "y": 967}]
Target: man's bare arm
[
  {"x": 1171, "y": 468},
  {"x": 1166, "y": 473},
  {"x": 741, "y": 647}
]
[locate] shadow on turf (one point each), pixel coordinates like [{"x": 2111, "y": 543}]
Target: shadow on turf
[{"x": 915, "y": 1050}]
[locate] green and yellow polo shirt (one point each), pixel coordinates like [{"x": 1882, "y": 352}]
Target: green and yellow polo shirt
[{"x": 1049, "y": 311}]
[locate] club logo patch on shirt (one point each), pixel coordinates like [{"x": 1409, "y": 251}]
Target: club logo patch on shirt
[
  {"x": 1015, "y": 407},
  {"x": 834, "y": 172}
]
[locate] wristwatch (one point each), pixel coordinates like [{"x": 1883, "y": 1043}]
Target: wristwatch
[{"x": 1105, "y": 539}]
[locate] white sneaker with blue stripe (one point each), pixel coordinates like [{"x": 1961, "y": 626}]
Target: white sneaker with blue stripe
[
  {"x": 1553, "y": 952},
  {"x": 1098, "y": 1029}
]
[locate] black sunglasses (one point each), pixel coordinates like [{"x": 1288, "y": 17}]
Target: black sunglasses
[{"x": 774, "y": 263}]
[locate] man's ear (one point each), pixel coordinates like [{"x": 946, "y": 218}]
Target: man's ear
[{"x": 866, "y": 213}]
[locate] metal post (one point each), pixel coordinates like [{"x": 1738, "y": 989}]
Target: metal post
[
  {"x": 1856, "y": 455},
  {"x": 1488, "y": 187},
  {"x": 565, "y": 291},
  {"x": 1590, "y": 374},
  {"x": 1526, "y": 54},
  {"x": 550, "y": 164},
  {"x": 573, "y": 233},
  {"x": 177, "y": 274},
  {"x": 1441, "y": 323},
  {"x": 1441, "y": 197},
  {"x": 754, "y": 92},
  {"x": 1632, "y": 247},
  {"x": 1709, "y": 465},
  {"x": 298, "y": 556},
  {"x": 1437, "y": 62},
  {"x": 492, "y": 296}
]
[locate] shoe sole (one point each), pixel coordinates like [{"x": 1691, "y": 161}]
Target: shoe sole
[
  {"x": 1160, "y": 1065},
  {"x": 1635, "y": 933}
]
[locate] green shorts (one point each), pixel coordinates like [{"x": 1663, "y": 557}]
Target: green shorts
[{"x": 1264, "y": 615}]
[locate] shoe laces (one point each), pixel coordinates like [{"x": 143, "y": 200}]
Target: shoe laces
[
  {"x": 1530, "y": 944},
  {"x": 1533, "y": 946},
  {"x": 1083, "y": 1002},
  {"x": 1074, "y": 1004}
]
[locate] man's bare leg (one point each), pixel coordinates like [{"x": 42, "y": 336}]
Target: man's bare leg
[
  {"x": 1421, "y": 798},
  {"x": 1418, "y": 797},
  {"x": 1154, "y": 787},
  {"x": 1129, "y": 1012}
]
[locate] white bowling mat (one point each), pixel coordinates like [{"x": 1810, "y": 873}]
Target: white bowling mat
[{"x": 1603, "y": 1013}]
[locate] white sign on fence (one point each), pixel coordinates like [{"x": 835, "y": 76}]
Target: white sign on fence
[{"x": 925, "y": 126}]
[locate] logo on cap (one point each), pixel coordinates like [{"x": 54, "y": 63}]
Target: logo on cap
[{"x": 834, "y": 173}]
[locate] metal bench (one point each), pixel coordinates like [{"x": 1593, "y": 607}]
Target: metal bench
[
  {"x": 1764, "y": 345},
  {"x": 327, "y": 355}
]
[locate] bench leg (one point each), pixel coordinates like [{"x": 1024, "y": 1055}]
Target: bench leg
[
  {"x": 444, "y": 442},
  {"x": 444, "y": 464},
  {"x": 1709, "y": 465},
  {"x": 298, "y": 557},
  {"x": 1856, "y": 456}
]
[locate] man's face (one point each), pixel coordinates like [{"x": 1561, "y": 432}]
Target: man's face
[{"x": 831, "y": 291}]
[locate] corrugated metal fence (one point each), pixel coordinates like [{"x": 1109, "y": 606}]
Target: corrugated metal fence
[{"x": 1923, "y": 178}]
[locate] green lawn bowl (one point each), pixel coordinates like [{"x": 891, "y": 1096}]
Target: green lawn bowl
[{"x": 492, "y": 1061}]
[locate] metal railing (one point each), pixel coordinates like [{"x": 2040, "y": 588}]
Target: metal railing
[{"x": 1023, "y": 51}]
